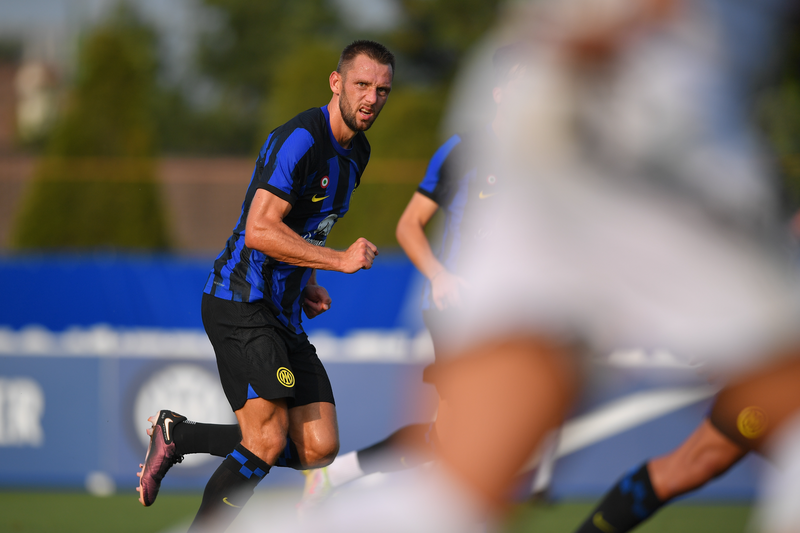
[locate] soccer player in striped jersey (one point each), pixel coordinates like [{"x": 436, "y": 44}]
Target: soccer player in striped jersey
[{"x": 303, "y": 179}]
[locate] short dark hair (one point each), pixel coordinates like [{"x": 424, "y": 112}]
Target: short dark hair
[{"x": 371, "y": 49}]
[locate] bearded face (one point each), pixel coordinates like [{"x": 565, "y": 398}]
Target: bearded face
[
  {"x": 365, "y": 86},
  {"x": 358, "y": 115}
]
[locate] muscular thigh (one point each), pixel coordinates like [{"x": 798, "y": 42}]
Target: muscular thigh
[
  {"x": 313, "y": 423},
  {"x": 315, "y": 432}
]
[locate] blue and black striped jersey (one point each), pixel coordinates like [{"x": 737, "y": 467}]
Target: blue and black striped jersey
[
  {"x": 302, "y": 163},
  {"x": 460, "y": 186}
]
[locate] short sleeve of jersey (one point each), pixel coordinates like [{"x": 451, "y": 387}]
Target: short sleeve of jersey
[
  {"x": 286, "y": 162},
  {"x": 438, "y": 181}
]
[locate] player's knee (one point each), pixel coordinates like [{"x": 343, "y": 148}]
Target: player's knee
[
  {"x": 322, "y": 453},
  {"x": 267, "y": 444}
]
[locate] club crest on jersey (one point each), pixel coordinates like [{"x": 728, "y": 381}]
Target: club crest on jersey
[{"x": 324, "y": 182}]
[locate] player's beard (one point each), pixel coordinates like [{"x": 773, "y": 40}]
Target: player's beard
[{"x": 348, "y": 113}]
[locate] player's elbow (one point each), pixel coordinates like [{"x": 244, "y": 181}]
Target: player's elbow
[
  {"x": 251, "y": 242},
  {"x": 401, "y": 231}
]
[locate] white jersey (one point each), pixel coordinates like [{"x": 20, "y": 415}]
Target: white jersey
[{"x": 643, "y": 214}]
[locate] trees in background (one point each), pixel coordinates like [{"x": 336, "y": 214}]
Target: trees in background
[
  {"x": 266, "y": 61},
  {"x": 271, "y": 57},
  {"x": 95, "y": 185}
]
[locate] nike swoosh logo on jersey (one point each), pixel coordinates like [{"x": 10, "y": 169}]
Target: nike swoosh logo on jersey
[
  {"x": 166, "y": 428},
  {"x": 226, "y": 502},
  {"x": 483, "y": 196},
  {"x": 315, "y": 199}
]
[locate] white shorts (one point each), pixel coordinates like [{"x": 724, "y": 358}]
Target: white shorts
[{"x": 618, "y": 268}]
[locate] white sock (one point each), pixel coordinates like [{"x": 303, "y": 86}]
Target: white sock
[{"x": 344, "y": 469}]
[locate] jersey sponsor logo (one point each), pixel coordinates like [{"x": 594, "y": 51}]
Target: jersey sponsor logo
[
  {"x": 318, "y": 236},
  {"x": 315, "y": 199},
  {"x": 752, "y": 422},
  {"x": 483, "y": 196},
  {"x": 285, "y": 377},
  {"x": 226, "y": 502}
]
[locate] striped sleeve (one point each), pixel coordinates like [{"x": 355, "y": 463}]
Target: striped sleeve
[
  {"x": 284, "y": 167},
  {"x": 436, "y": 181}
]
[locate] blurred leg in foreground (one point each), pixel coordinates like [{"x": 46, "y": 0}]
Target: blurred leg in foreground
[
  {"x": 506, "y": 395},
  {"x": 643, "y": 216}
]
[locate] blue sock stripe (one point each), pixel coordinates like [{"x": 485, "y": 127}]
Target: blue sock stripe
[
  {"x": 236, "y": 454},
  {"x": 283, "y": 460},
  {"x": 248, "y": 467},
  {"x": 637, "y": 489}
]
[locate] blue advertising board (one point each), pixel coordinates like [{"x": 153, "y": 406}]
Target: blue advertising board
[{"x": 92, "y": 346}]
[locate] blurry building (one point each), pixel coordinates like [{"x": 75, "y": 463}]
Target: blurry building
[{"x": 202, "y": 196}]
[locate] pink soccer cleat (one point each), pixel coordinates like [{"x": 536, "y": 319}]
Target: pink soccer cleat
[{"x": 161, "y": 455}]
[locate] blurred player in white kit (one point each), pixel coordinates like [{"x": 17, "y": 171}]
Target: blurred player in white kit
[{"x": 642, "y": 213}]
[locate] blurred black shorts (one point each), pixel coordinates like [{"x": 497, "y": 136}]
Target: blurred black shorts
[{"x": 258, "y": 357}]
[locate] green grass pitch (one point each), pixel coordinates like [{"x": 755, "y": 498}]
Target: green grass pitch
[{"x": 68, "y": 512}]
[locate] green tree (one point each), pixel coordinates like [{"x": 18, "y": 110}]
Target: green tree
[
  {"x": 302, "y": 85},
  {"x": 434, "y": 35},
  {"x": 96, "y": 186},
  {"x": 269, "y": 59},
  {"x": 246, "y": 53}
]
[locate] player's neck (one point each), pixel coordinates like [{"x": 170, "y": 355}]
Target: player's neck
[{"x": 341, "y": 132}]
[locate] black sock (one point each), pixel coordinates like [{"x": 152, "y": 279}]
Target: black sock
[
  {"x": 629, "y": 503},
  {"x": 289, "y": 458},
  {"x": 407, "y": 447},
  {"x": 229, "y": 488},
  {"x": 216, "y": 439}
]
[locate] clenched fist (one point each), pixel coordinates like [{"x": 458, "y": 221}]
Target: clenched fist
[{"x": 359, "y": 255}]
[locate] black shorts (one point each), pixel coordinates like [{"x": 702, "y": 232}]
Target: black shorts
[{"x": 259, "y": 356}]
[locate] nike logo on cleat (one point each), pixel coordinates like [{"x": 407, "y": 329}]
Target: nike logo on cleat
[{"x": 166, "y": 428}]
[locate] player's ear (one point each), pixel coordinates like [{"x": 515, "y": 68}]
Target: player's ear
[
  {"x": 497, "y": 94},
  {"x": 335, "y": 81}
]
